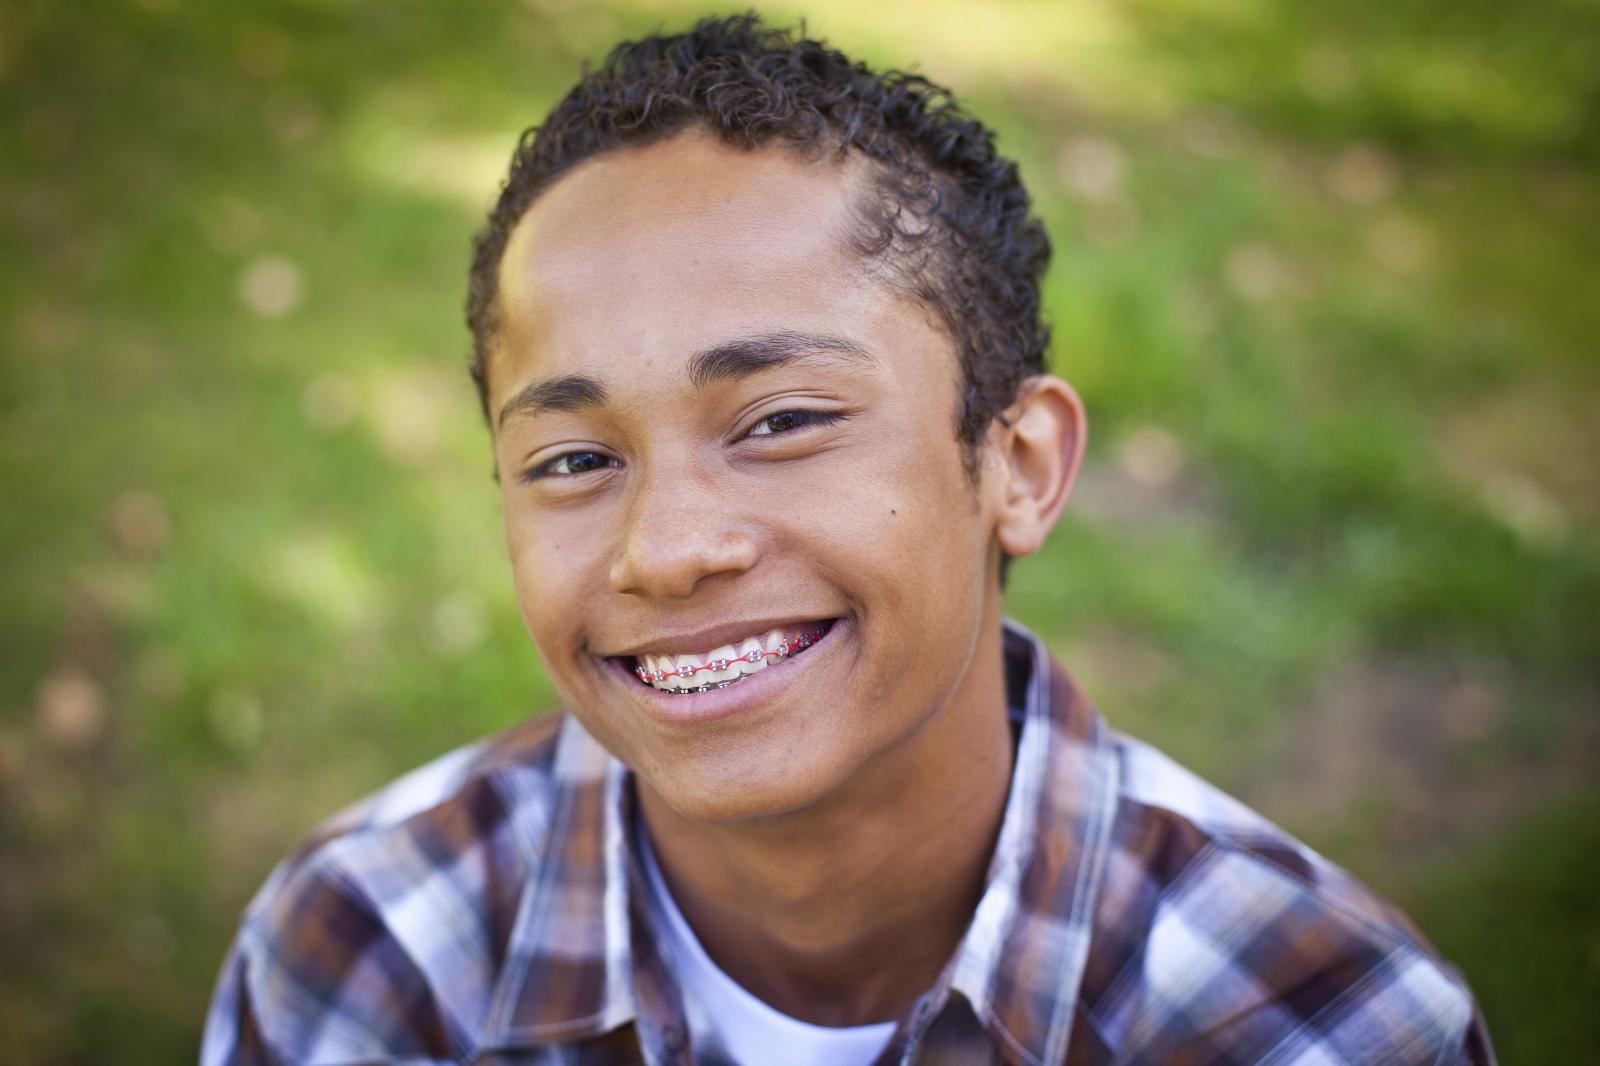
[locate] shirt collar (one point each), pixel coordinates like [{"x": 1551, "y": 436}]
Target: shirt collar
[
  {"x": 569, "y": 969},
  {"x": 1021, "y": 962}
]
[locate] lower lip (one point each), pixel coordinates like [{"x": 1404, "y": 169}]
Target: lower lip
[{"x": 761, "y": 687}]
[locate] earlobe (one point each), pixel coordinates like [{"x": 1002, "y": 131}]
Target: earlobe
[{"x": 1040, "y": 446}]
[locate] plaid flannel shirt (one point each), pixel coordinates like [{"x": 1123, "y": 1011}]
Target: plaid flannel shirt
[{"x": 487, "y": 909}]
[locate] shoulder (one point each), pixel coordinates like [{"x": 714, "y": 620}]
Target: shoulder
[
  {"x": 380, "y": 935},
  {"x": 1220, "y": 937}
]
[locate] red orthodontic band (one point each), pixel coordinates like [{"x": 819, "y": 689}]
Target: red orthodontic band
[{"x": 783, "y": 649}]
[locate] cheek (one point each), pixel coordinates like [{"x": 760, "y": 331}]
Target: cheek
[
  {"x": 930, "y": 513},
  {"x": 525, "y": 576},
  {"x": 914, "y": 552},
  {"x": 547, "y": 574},
  {"x": 534, "y": 602}
]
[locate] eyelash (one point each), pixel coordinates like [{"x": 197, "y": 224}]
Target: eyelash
[
  {"x": 544, "y": 469},
  {"x": 807, "y": 418}
]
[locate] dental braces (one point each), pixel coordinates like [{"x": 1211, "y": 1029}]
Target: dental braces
[{"x": 783, "y": 650}]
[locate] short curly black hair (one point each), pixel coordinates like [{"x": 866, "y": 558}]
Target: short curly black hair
[{"x": 946, "y": 221}]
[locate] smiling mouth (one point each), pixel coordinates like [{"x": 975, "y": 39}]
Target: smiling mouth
[{"x": 727, "y": 665}]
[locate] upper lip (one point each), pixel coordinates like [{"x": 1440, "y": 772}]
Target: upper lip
[{"x": 693, "y": 641}]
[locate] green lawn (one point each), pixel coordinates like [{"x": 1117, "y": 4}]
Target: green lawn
[{"x": 1325, "y": 276}]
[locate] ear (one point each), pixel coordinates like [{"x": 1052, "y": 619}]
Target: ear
[{"x": 1037, "y": 448}]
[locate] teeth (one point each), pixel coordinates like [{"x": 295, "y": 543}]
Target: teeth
[
  {"x": 775, "y": 644},
  {"x": 720, "y": 666},
  {"x": 752, "y": 657},
  {"x": 726, "y": 665}
]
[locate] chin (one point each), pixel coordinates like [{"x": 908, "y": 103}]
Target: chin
[{"x": 713, "y": 791}]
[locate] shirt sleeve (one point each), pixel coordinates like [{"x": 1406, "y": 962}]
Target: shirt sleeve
[
  {"x": 315, "y": 977},
  {"x": 233, "y": 1034},
  {"x": 1474, "y": 1048}
]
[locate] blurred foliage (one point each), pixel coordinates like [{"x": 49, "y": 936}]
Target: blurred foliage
[
  {"x": 1524, "y": 902},
  {"x": 1325, "y": 275}
]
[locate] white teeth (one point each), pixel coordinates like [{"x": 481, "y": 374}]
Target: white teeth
[
  {"x": 724, "y": 665},
  {"x": 728, "y": 672},
  {"x": 665, "y": 668},
  {"x": 686, "y": 665},
  {"x": 748, "y": 648}
]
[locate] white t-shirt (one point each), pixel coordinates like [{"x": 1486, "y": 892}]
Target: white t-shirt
[{"x": 728, "y": 1023}]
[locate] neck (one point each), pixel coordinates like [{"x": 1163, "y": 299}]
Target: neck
[{"x": 887, "y": 867}]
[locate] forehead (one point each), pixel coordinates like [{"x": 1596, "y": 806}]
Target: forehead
[{"x": 657, "y": 251}]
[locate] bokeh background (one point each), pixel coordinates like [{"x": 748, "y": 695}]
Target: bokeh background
[{"x": 1326, "y": 276}]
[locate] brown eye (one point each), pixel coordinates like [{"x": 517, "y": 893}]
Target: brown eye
[
  {"x": 789, "y": 421},
  {"x": 784, "y": 421},
  {"x": 583, "y": 462},
  {"x": 569, "y": 464}
]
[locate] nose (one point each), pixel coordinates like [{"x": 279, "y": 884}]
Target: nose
[{"x": 680, "y": 531}]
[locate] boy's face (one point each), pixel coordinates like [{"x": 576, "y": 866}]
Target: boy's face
[{"x": 711, "y": 424}]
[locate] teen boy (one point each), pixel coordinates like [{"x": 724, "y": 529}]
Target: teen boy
[{"x": 757, "y": 333}]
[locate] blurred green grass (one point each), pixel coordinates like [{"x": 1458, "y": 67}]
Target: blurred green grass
[{"x": 1325, "y": 277}]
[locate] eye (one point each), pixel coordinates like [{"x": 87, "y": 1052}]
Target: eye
[
  {"x": 789, "y": 421},
  {"x": 570, "y": 463}
]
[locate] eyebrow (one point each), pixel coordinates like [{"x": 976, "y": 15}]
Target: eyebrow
[
  {"x": 724, "y": 362},
  {"x": 751, "y": 355},
  {"x": 569, "y": 393}
]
